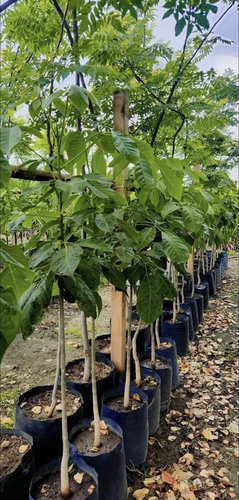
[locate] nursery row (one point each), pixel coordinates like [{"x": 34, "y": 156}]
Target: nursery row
[{"x": 100, "y": 468}]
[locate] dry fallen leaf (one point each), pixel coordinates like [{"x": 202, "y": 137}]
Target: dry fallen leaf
[
  {"x": 46, "y": 409},
  {"x": 23, "y": 448},
  {"x": 170, "y": 495},
  {"x": 59, "y": 407},
  {"x": 91, "y": 489},
  {"x": 234, "y": 427},
  {"x": 78, "y": 477},
  {"x": 187, "y": 457},
  {"x": 94, "y": 448},
  {"x": 36, "y": 410},
  {"x": 172, "y": 438},
  {"x": 5, "y": 444},
  {"x": 148, "y": 481},
  {"x": 236, "y": 453},
  {"x": 140, "y": 494},
  {"x": 207, "y": 433},
  {"x": 136, "y": 397},
  {"x": 167, "y": 478}
]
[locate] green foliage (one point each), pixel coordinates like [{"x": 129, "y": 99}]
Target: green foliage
[
  {"x": 33, "y": 304},
  {"x": 10, "y": 319}
]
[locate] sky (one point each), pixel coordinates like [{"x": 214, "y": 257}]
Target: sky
[{"x": 221, "y": 58}]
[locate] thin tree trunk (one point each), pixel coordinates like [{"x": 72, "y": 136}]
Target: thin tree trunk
[
  {"x": 65, "y": 485},
  {"x": 182, "y": 293},
  {"x": 153, "y": 357},
  {"x": 158, "y": 343},
  {"x": 94, "y": 391},
  {"x": 135, "y": 356},
  {"x": 57, "y": 375},
  {"x": 86, "y": 346},
  {"x": 128, "y": 353}
]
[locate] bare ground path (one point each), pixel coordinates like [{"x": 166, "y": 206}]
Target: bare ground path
[{"x": 194, "y": 454}]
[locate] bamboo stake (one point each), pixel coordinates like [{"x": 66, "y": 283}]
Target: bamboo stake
[{"x": 118, "y": 299}]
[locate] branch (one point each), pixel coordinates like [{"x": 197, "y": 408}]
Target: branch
[
  {"x": 175, "y": 135},
  {"x": 39, "y": 175},
  {"x": 64, "y": 21},
  {"x": 6, "y": 5},
  {"x": 177, "y": 79},
  {"x": 206, "y": 36},
  {"x": 182, "y": 69}
]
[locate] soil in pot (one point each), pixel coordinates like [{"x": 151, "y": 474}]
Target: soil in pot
[
  {"x": 47, "y": 480},
  {"x": 16, "y": 464},
  {"x": 32, "y": 417},
  {"x": 105, "y": 379},
  {"x": 108, "y": 460},
  {"x": 102, "y": 344},
  {"x": 133, "y": 421}
]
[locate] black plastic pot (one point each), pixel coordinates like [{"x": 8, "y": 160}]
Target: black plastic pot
[
  {"x": 134, "y": 424},
  {"x": 203, "y": 290},
  {"x": 47, "y": 434},
  {"x": 217, "y": 276},
  {"x": 200, "y": 306},
  {"x": 154, "y": 398},
  {"x": 165, "y": 373},
  {"x": 178, "y": 331},
  {"x": 100, "y": 338},
  {"x": 168, "y": 353},
  {"x": 191, "y": 302},
  {"x": 54, "y": 465},
  {"x": 185, "y": 309},
  {"x": 86, "y": 388},
  {"x": 143, "y": 335},
  {"x": 110, "y": 466},
  {"x": 209, "y": 278},
  {"x": 16, "y": 484},
  {"x": 224, "y": 257}
]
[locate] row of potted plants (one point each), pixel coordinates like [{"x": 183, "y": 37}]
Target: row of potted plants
[{"x": 129, "y": 450}]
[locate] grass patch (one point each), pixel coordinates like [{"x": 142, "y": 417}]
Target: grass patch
[{"x": 75, "y": 331}]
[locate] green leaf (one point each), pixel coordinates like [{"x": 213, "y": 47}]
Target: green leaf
[
  {"x": 129, "y": 230},
  {"x": 146, "y": 236},
  {"x": 78, "y": 97},
  {"x": 10, "y": 319},
  {"x": 192, "y": 219},
  {"x": 32, "y": 131},
  {"x": 61, "y": 106},
  {"x": 99, "y": 162},
  {"x": 33, "y": 304},
  {"x": 18, "y": 278},
  {"x": 9, "y": 137},
  {"x": 154, "y": 196},
  {"x": 168, "y": 13},
  {"x": 168, "y": 208},
  {"x": 74, "y": 144},
  {"x": 66, "y": 260},
  {"x": 180, "y": 25},
  {"x": 146, "y": 151},
  {"x": 12, "y": 255},
  {"x": 48, "y": 100},
  {"x": 5, "y": 172},
  {"x": 202, "y": 21},
  {"x": 175, "y": 248},
  {"x": 167, "y": 288},
  {"x": 42, "y": 255},
  {"x": 149, "y": 298},
  {"x": 106, "y": 223},
  {"x": 170, "y": 179},
  {"x": 16, "y": 223},
  {"x": 134, "y": 273},
  {"x": 98, "y": 301},
  {"x": 143, "y": 175},
  {"x": 115, "y": 277},
  {"x": 82, "y": 294},
  {"x": 126, "y": 146},
  {"x": 125, "y": 254}
]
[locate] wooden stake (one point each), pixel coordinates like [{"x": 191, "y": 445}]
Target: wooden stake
[
  {"x": 190, "y": 263},
  {"x": 118, "y": 299}
]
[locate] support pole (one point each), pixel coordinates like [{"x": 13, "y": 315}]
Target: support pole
[
  {"x": 190, "y": 263},
  {"x": 118, "y": 299}
]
